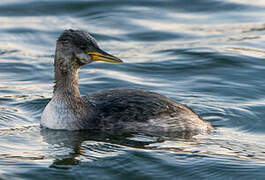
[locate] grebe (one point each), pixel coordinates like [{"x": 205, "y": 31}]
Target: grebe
[{"x": 111, "y": 110}]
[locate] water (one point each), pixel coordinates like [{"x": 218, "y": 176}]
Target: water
[{"x": 207, "y": 54}]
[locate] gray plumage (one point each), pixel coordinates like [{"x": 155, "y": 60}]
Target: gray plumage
[{"x": 113, "y": 110}]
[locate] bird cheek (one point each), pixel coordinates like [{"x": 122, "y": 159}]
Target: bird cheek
[{"x": 84, "y": 58}]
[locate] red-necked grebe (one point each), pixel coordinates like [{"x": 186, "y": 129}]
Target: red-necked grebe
[{"x": 119, "y": 109}]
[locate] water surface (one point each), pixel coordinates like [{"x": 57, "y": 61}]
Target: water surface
[{"x": 207, "y": 54}]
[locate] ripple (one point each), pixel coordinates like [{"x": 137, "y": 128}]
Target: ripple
[
  {"x": 155, "y": 36},
  {"x": 206, "y": 54},
  {"x": 122, "y": 76},
  {"x": 10, "y": 117}
]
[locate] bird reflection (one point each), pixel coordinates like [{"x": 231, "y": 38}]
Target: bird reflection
[{"x": 70, "y": 147}]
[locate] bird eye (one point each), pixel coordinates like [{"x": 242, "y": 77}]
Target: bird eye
[{"x": 83, "y": 47}]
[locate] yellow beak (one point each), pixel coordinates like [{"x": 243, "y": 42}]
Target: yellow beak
[{"x": 96, "y": 56}]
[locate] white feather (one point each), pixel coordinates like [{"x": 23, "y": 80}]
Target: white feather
[{"x": 58, "y": 115}]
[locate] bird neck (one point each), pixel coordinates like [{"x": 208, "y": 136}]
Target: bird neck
[{"x": 66, "y": 81}]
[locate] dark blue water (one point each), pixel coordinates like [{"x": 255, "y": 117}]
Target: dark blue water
[{"x": 207, "y": 54}]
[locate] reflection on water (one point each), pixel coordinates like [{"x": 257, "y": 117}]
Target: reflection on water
[
  {"x": 70, "y": 148},
  {"x": 66, "y": 150},
  {"x": 206, "y": 54}
]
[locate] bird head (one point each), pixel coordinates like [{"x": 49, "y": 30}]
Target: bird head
[{"x": 76, "y": 47}]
